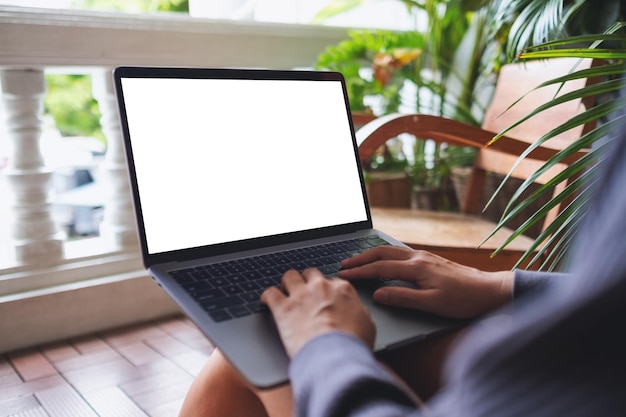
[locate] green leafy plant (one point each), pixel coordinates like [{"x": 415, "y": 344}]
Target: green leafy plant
[
  {"x": 426, "y": 62},
  {"x": 71, "y": 104},
  {"x": 551, "y": 246},
  {"x": 451, "y": 58},
  {"x": 510, "y": 30},
  {"x": 134, "y": 5},
  {"x": 390, "y": 56},
  {"x": 524, "y": 23}
]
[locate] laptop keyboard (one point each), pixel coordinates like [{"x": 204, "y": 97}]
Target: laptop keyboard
[{"x": 232, "y": 289}]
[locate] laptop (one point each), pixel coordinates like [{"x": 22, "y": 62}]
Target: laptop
[{"x": 238, "y": 175}]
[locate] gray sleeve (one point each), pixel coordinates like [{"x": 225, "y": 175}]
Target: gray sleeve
[
  {"x": 337, "y": 375},
  {"x": 527, "y": 282}
]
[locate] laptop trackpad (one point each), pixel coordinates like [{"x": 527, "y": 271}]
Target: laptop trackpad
[{"x": 396, "y": 326}]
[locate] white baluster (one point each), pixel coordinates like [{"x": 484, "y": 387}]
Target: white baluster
[
  {"x": 118, "y": 225},
  {"x": 36, "y": 239}
]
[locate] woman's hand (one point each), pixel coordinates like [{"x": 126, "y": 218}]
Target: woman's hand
[
  {"x": 312, "y": 305},
  {"x": 445, "y": 287}
]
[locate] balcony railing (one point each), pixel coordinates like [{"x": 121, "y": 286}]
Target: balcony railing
[{"x": 41, "y": 268}]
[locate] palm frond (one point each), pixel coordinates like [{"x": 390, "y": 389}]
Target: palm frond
[
  {"x": 335, "y": 8},
  {"x": 552, "y": 244},
  {"x": 526, "y": 23},
  {"x": 555, "y": 230},
  {"x": 539, "y": 215},
  {"x": 585, "y": 142},
  {"x": 587, "y": 91}
]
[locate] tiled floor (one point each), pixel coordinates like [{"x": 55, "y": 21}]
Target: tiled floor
[{"x": 143, "y": 370}]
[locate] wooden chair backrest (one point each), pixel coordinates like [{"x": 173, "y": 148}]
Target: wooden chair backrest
[{"x": 515, "y": 81}]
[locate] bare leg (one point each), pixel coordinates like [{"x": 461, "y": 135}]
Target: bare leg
[{"x": 219, "y": 390}]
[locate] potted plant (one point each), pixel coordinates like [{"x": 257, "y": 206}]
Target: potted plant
[
  {"x": 375, "y": 65},
  {"x": 419, "y": 71}
]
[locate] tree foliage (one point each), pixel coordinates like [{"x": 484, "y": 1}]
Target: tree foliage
[
  {"x": 71, "y": 104},
  {"x": 69, "y": 100},
  {"x": 136, "y": 6}
]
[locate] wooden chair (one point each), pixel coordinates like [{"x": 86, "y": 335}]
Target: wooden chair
[{"x": 457, "y": 236}]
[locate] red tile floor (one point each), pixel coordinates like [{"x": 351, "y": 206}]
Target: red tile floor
[{"x": 143, "y": 370}]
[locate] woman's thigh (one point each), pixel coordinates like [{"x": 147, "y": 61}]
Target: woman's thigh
[{"x": 220, "y": 390}]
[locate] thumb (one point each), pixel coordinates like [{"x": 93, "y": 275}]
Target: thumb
[{"x": 404, "y": 297}]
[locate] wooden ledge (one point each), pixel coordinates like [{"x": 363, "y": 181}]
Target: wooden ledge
[{"x": 438, "y": 231}]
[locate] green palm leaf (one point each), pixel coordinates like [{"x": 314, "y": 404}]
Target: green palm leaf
[
  {"x": 585, "y": 142},
  {"x": 592, "y": 114},
  {"x": 552, "y": 244}
]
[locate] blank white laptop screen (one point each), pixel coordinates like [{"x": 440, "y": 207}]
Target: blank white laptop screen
[{"x": 225, "y": 160}]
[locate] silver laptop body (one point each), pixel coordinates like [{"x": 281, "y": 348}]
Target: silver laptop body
[{"x": 228, "y": 165}]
